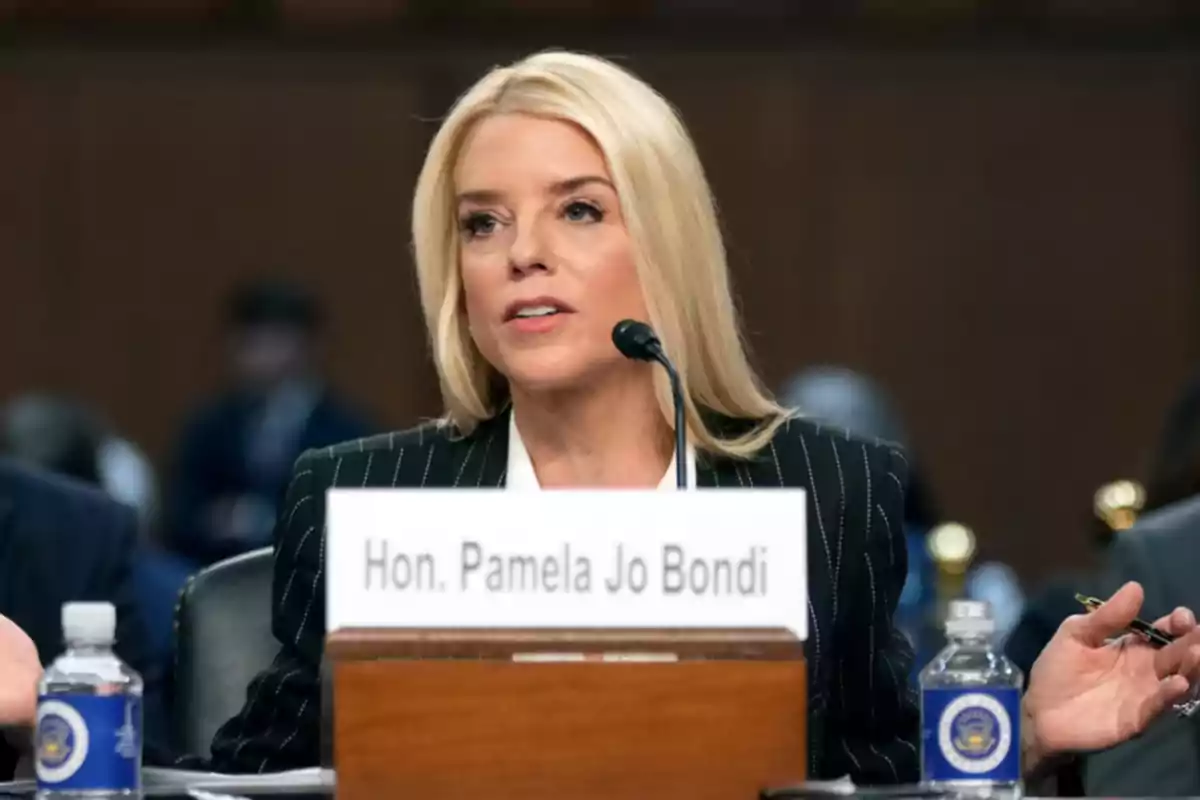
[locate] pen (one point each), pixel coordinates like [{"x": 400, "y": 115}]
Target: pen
[{"x": 1157, "y": 638}]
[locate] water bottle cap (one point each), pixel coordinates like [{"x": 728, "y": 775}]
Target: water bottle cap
[
  {"x": 970, "y": 618},
  {"x": 91, "y": 623}
]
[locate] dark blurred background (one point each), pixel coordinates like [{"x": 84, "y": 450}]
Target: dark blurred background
[{"x": 988, "y": 207}]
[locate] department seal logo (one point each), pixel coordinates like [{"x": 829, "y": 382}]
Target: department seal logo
[
  {"x": 61, "y": 741},
  {"x": 975, "y": 733}
]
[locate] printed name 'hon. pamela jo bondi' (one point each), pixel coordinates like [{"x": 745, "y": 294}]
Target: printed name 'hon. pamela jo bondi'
[{"x": 668, "y": 569}]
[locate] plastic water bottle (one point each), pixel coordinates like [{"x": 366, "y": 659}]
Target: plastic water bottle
[
  {"x": 971, "y": 709},
  {"x": 88, "y": 741}
]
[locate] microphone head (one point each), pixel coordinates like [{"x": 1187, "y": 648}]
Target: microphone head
[{"x": 636, "y": 340}]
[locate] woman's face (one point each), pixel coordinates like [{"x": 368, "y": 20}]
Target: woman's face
[{"x": 547, "y": 266}]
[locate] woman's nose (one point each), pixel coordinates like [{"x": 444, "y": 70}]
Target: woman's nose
[{"x": 528, "y": 251}]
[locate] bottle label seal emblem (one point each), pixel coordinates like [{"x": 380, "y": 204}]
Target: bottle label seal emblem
[
  {"x": 88, "y": 742},
  {"x": 974, "y": 734}
]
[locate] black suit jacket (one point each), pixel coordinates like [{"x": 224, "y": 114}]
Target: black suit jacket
[
  {"x": 62, "y": 541},
  {"x": 863, "y": 717}
]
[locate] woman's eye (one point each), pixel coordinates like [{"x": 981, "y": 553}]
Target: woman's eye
[
  {"x": 580, "y": 211},
  {"x": 477, "y": 224}
]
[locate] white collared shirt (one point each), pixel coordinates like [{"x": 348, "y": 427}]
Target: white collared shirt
[{"x": 522, "y": 476}]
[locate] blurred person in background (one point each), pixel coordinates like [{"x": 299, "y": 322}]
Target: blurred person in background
[
  {"x": 236, "y": 454},
  {"x": 59, "y": 435},
  {"x": 127, "y": 474},
  {"x": 62, "y": 436},
  {"x": 850, "y": 400},
  {"x": 54, "y": 434},
  {"x": 62, "y": 540}
]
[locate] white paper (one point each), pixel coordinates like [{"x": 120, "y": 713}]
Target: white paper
[
  {"x": 297, "y": 780},
  {"x": 213, "y": 784}
]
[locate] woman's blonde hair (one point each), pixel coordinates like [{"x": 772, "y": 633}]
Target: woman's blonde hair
[{"x": 671, "y": 216}]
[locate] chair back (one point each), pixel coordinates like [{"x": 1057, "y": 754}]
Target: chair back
[{"x": 223, "y": 640}]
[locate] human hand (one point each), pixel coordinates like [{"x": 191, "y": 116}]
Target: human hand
[
  {"x": 1089, "y": 693},
  {"x": 20, "y": 671}
]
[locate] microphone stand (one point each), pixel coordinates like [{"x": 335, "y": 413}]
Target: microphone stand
[{"x": 681, "y": 481}]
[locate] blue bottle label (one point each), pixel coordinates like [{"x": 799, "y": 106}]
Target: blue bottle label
[
  {"x": 89, "y": 742},
  {"x": 971, "y": 734}
]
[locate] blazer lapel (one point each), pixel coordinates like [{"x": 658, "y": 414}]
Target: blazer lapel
[
  {"x": 493, "y": 458},
  {"x": 481, "y": 459}
]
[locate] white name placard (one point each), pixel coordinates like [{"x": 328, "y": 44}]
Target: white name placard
[{"x": 464, "y": 558}]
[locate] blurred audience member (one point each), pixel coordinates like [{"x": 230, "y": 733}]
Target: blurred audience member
[
  {"x": 54, "y": 434},
  {"x": 236, "y": 454},
  {"x": 127, "y": 475},
  {"x": 997, "y": 584},
  {"x": 850, "y": 400},
  {"x": 65, "y": 437},
  {"x": 61, "y": 436},
  {"x": 61, "y": 540},
  {"x": 1162, "y": 552}
]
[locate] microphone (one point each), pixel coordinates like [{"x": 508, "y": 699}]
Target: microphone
[{"x": 638, "y": 341}]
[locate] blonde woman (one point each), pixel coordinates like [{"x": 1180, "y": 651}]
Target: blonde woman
[{"x": 560, "y": 196}]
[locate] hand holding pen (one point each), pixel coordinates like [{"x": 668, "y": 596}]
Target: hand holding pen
[
  {"x": 1158, "y": 638},
  {"x": 1087, "y": 693}
]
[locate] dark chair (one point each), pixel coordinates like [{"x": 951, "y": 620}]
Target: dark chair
[{"x": 223, "y": 639}]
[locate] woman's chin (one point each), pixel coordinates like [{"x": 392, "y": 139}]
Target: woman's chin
[
  {"x": 546, "y": 375},
  {"x": 546, "y": 381}
]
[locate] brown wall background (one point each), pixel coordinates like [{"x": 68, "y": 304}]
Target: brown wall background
[{"x": 1006, "y": 238}]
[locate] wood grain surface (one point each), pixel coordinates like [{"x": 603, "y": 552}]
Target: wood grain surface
[{"x": 451, "y": 715}]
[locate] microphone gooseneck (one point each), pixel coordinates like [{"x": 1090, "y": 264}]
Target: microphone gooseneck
[{"x": 638, "y": 341}]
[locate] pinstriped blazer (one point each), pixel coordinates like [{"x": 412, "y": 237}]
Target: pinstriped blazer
[{"x": 863, "y": 719}]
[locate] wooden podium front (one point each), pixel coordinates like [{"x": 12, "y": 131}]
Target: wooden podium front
[{"x": 657, "y": 714}]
